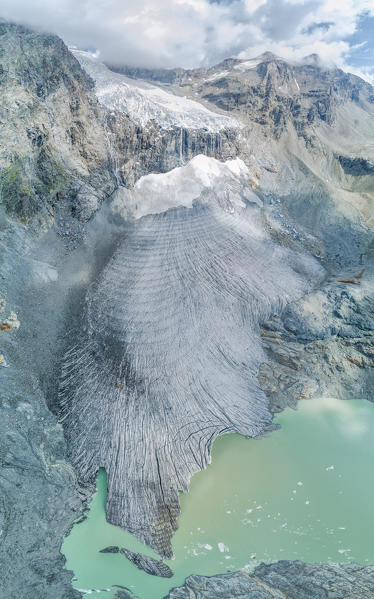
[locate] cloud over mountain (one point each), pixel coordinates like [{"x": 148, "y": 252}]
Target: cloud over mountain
[{"x": 189, "y": 33}]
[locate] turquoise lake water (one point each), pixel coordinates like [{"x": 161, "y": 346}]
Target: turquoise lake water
[{"x": 304, "y": 492}]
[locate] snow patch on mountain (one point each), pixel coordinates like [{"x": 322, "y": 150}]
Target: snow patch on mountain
[
  {"x": 144, "y": 102},
  {"x": 248, "y": 65},
  {"x": 218, "y": 76}
]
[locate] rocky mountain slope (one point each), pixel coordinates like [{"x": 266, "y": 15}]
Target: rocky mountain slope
[
  {"x": 94, "y": 220},
  {"x": 283, "y": 580},
  {"x": 53, "y": 153}
]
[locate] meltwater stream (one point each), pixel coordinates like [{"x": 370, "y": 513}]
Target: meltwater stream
[{"x": 305, "y": 492}]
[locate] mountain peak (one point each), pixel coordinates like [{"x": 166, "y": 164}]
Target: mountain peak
[{"x": 312, "y": 59}]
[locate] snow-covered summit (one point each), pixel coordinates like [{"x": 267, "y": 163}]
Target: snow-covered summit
[{"x": 145, "y": 102}]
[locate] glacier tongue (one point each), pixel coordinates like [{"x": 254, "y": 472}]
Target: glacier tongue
[
  {"x": 170, "y": 348},
  {"x": 144, "y": 102}
]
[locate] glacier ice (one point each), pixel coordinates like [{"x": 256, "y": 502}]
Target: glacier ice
[
  {"x": 169, "y": 350},
  {"x": 145, "y": 102}
]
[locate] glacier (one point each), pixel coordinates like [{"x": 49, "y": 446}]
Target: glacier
[
  {"x": 144, "y": 102},
  {"x": 169, "y": 349}
]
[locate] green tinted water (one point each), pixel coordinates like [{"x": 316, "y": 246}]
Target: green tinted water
[{"x": 305, "y": 492}]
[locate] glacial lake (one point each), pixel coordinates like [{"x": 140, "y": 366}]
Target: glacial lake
[{"x": 304, "y": 492}]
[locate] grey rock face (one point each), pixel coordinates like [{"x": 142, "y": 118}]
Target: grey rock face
[
  {"x": 148, "y": 564},
  {"x": 140, "y": 150},
  {"x": 356, "y": 166},
  {"x": 324, "y": 345},
  {"x": 40, "y": 497},
  {"x": 147, "y": 134},
  {"x": 283, "y": 580},
  {"x": 53, "y": 154}
]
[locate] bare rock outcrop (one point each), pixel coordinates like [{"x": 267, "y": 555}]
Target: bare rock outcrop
[
  {"x": 283, "y": 580},
  {"x": 53, "y": 155}
]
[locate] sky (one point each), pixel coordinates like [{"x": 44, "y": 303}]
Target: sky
[{"x": 192, "y": 33}]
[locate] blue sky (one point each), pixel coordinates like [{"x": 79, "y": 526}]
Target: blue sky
[
  {"x": 361, "y": 55},
  {"x": 190, "y": 33}
]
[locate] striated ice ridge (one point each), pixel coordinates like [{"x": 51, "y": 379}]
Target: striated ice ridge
[
  {"x": 144, "y": 102},
  {"x": 169, "y": 350}
]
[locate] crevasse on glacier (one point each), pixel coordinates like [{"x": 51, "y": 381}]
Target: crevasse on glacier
[{"x": 170, "y": 347}]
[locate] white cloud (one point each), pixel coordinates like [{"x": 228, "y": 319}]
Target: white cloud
[{"x": 191, "y": 33}]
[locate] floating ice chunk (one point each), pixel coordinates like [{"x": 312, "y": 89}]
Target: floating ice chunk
[
  {"x": 223, "y": 548},
  {"x": 299, "y": 484},
  {"x": 208, "y": 547},
  {"x": 330, "y": 468},
  {"x": 307, "y": 502}
]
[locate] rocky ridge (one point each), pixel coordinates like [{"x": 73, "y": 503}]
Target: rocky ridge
[
  {"x": 267, "y": 90},
  {"x": 283, "y": 580},
  {"x": 53, "y": 154}
]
